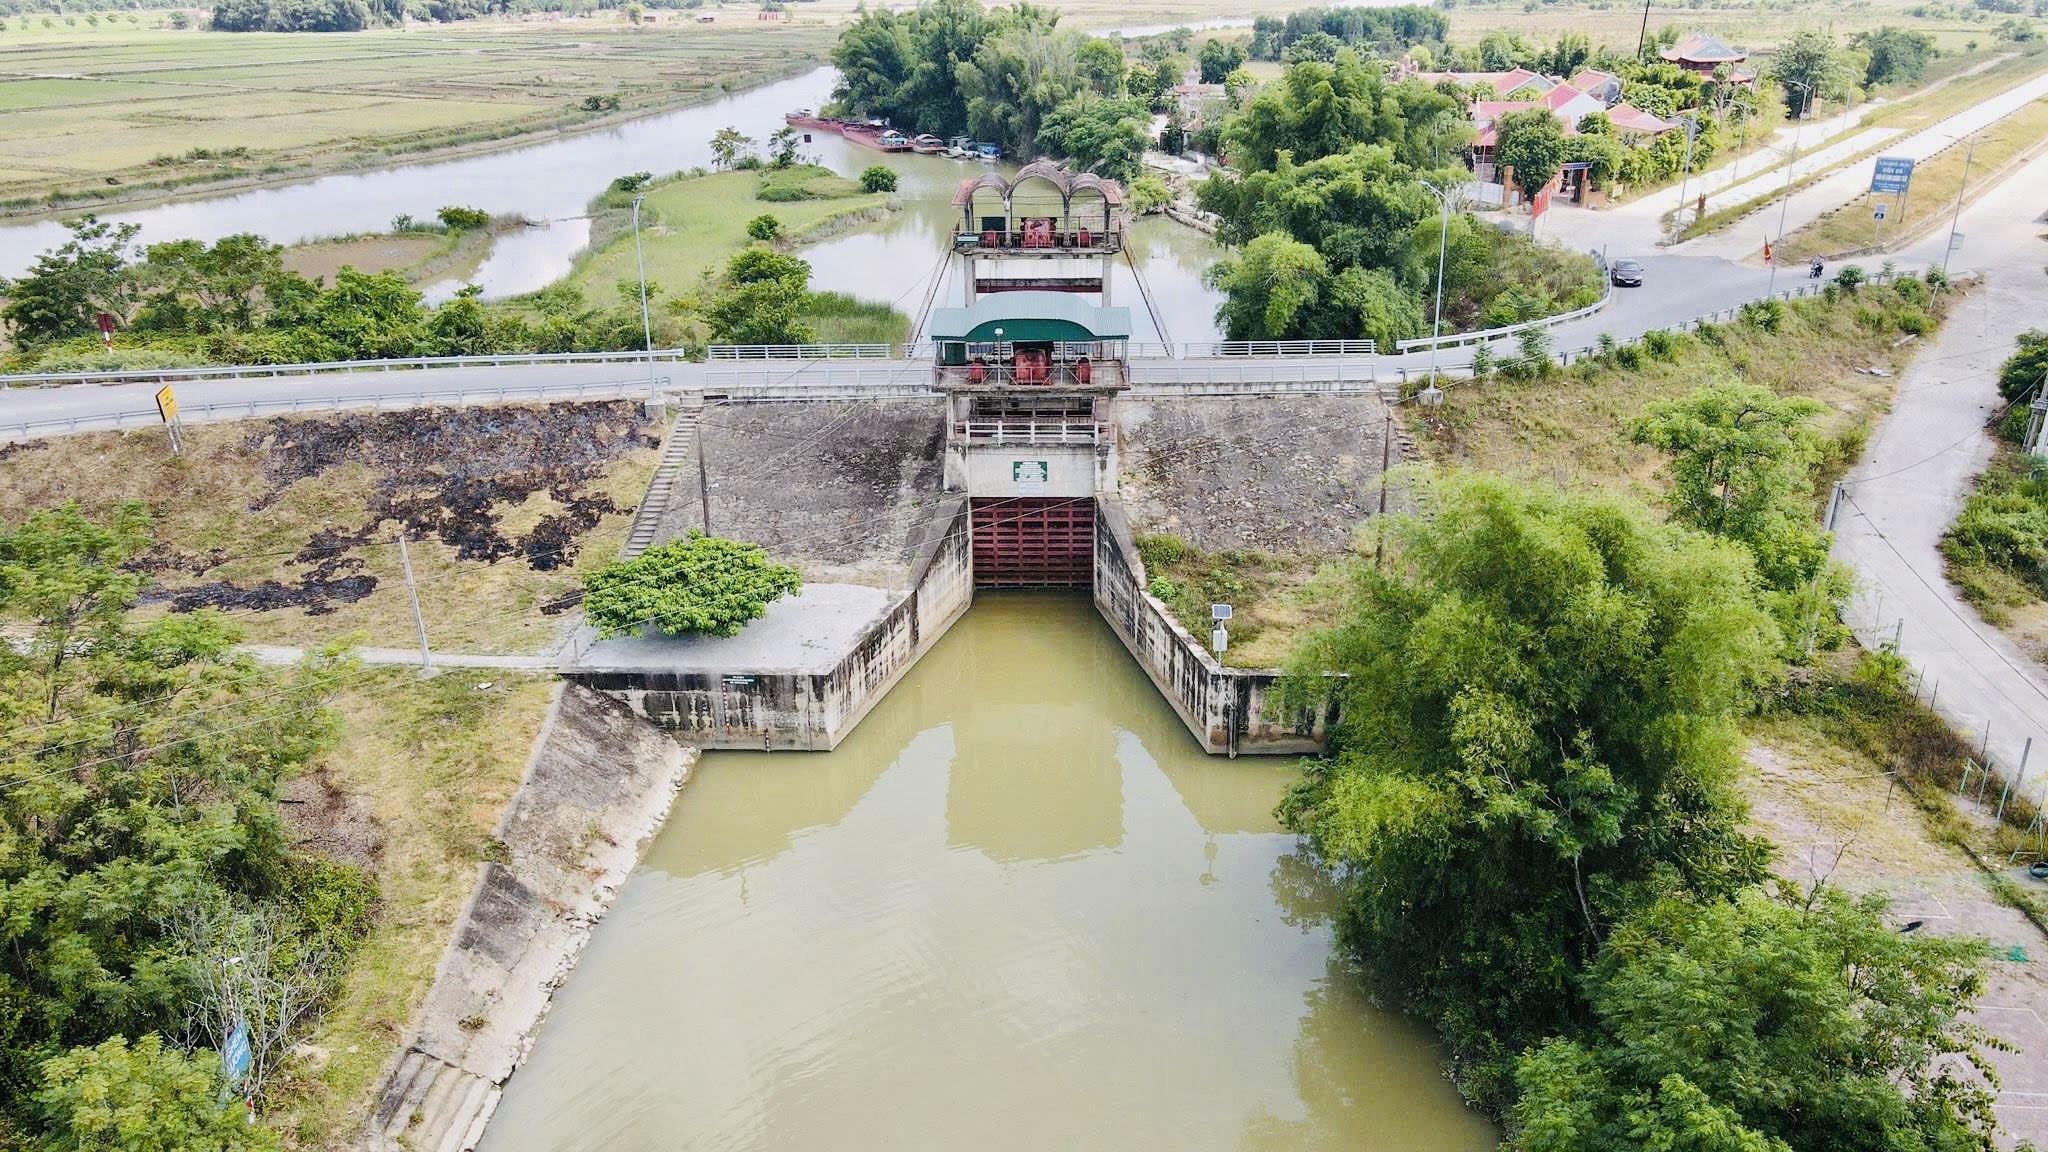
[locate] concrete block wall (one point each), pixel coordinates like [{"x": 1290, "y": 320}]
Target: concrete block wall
[
  {"x": 747, "y": 708},
  {"x": 1229, "y": 710}
]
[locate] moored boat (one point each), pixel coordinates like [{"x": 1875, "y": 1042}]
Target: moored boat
[
  {"x": 960, "y": 147},
  {"x": 810, "y": 121},
  {"x": 881, "y": 139},
  {"x": 926, "y": 144},
  {"x": 987, "y": 153}
]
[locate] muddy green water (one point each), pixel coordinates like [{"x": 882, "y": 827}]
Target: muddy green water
[{"x": 1016, "y": 909}]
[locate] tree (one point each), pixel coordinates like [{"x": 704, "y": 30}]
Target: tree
[
  {"x": 1148, "y": 195},
  {"x": 2026, "y": 369},
  {"x": 878, "y": 178},
  {"x": 782, "y": 146},
  {"x": 191, "y": 286},
  {"x": 67, "y": 287},
  {"x": 1764, "y": 1025},
  {"x": 1015, "y": 79},
  {"x": 1896, "y": 55},
  {"x": 364, "y": 316},
  {"x": 1099, "y": 135},
  {"x": 1317, "y": 46},
  {"x": 1532, "y": 142},
  {"x": 1319, "y": 109},
  {"x": 115, "y": 1097},
  {"x": 1742, "y": 460},
  {"x": 1808, "y": 67},
  {"x": 1219, "y": 58},
  {"x": 697, "y": 585},
  {"x": 764, "y": 227},
  {"x": 761, "y": 300},
  {"x": 728, "y": 144},
  {"x": 1535, "y": 728},
  {"x": 457, "y": 218},
  {"x": 1269, "y": 291}
]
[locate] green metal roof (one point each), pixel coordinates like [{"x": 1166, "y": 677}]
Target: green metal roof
[{"x": 1031, "y": 316}]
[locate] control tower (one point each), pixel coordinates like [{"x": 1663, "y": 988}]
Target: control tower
[{"x": 1043, "y": 230}]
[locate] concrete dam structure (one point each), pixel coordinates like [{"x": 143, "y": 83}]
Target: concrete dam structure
[{"x": 1025, "y": 466}]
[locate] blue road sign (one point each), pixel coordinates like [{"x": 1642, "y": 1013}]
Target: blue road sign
[
  {"x": 1892, "y": 175},
  {"x": 235, "y": 1057}
]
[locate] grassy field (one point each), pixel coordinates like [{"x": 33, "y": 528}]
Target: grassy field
[
  {"x": 121, "y": 109},
  {"x": 1936, "y": 181},
  {"x": 700, "y": 221},
  {"x": 287, "y": 525},
  {"x": 423, "y": 770}
]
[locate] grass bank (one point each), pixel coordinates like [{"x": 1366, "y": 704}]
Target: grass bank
[
  {"x": 1279, "y": 599},
  {"x": 413, "y": 791},
  {"x": 1572, "y": 426},
  {"x": 692, "y": 223},
  {"x": 421, "y": 256},
  {"x": 288, "y": 524},
  {"x": 133, "y": 113}
]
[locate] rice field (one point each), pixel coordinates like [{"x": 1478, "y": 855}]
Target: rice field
[{"x": 120, "y": 110}]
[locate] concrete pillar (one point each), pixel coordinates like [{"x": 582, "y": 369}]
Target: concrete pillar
[
  {"x": 967, "y": 274},
  {"x": 1106, "y": 270}
]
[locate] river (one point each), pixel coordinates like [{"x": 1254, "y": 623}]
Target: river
[
  {"x": 551, "y": 182},
  {"x": 1016, "y": 909}
]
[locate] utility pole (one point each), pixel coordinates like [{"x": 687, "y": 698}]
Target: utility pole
[
  {"x": 646, "y": 324},
  {"x": 1692, "y": 128},
  {"x": 1386, "y": 461},
  {"x": 703, "y": 473},
  {"x": 1643, "y": 34},
  {"x": 1436, "y": 330},
  {"x": 1958, "y": 217},
  {"x": 419, "y": 622},
  {"x": 1778, "y": 253}
]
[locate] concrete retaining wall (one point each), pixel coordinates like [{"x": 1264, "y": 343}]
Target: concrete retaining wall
[
  {"x": 1229, "y": 710},
  {"x": 748, "y": 708},
  {"x": 598, "y": 786}
]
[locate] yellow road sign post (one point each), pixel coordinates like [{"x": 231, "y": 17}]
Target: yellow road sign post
[{"x": 167, "y": 407}]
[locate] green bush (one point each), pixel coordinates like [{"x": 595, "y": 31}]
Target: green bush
[
  {"x": 1872, "y": 318},
  {"x": 764, "y": 227},
  {"x": 460, "y": 219},
  {"x": 1850, "y": 278},
  {"x": 804, "y": 182},
  {"x": 877, "y": 178},
  {"x": 697, "y": 585},
  {"x": 2026, "y": 368},
  {"x": 1629, "y": 356},
  {"x": 1163, "y": 590},
  {"x": 1662, "y": 345},
  {"x": 1911, "y": 290},
  {"x": 1159, "y": 549},
  {"x": 1912, "y": 320},
  {"x": 1764, "y": 315}
]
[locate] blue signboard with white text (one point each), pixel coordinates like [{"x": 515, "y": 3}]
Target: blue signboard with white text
[{"x": 1892, "y": 175}]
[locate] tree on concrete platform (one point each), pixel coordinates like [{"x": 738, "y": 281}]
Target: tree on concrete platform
[{"x": 699, "y": 585}]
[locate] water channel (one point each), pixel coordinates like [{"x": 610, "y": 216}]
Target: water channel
[
  {"x": 1016, "y": 909},
  {"x": 552, "y": 182}
]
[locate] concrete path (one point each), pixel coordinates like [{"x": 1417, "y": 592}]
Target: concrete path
[{"x": 1919, "y": 467}]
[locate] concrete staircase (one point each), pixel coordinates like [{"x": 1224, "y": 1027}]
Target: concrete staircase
[
  {"x": 430, "y": 1105},
  {"x": 675, "y": 453}
]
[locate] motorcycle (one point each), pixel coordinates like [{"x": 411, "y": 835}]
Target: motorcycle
[{"x": 1813, "y": 270}]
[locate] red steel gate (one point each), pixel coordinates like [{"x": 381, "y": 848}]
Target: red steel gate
[{"x": 1034, "y": 542}]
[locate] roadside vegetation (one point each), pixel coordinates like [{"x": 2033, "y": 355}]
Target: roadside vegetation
[
  {"x": 116, "y": 115},
  {"x": 156, "y": 903},
  {"x": 695, "y": 585},
  {"x": 1532, "y": 796},
  {"x": 1276, "y": 598},
  {"x": 1997, "y": 549}
]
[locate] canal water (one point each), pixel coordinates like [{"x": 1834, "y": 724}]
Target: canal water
[
  {"x": 552, "y": 182},
  {"x": 1015, "y": 909}
]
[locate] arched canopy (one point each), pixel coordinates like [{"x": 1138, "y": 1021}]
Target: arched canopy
[
  {"x": 1040, "y": 188},
  {"x": 1027, "y": 317}
]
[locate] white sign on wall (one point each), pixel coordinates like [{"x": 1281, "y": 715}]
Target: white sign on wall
[{"x": 1030, "y": 476}]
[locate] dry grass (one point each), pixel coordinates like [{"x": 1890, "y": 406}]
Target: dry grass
[
  {"x": 437, "y": 760},
  {"x": 1573, "y": 428},
  {"x": 321, "y": 259},
  {"x": 224, "y": 519},
  {"x": 1277, "y": 599}
]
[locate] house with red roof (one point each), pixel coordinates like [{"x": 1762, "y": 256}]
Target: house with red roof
[{"x": 1705, "y": 55}]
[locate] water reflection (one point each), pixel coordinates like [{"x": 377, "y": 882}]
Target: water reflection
[{"x": 991, "y": 919}]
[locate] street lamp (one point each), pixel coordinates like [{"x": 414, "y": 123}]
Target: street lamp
[
  {"x": 646, "y": 324},
  {"x": 1436, "y": 330},
  {"x": 1958, "y": 217},
  {"x": 1778, "y": 256},
  {"x": 1692, "y": 129}
]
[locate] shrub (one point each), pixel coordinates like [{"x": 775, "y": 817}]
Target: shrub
[
  {"x": 697, "y": 585},
  {"x": 1148, "y": 194},
  {"x": 1163, "y": 590},
  {"x": 764, "y": 227},
  {"x": 1936, "y": 279},
  {"x": 1661, "y": 345},
  {"x": 1532, "y": 358},
  {"x": 460, "y": 219},
  {"x": 877, "y": 178},
  {"x": 1849, "y": 279},
  {"x": 1872, "y": 318},
  {"x": 1158, "y": 549},
  {"x": 1608, "y": 344},
  {"x": 630, "y": 183},
  {"x": 2026, "y": 368},
  {"x": 1629, "y": 356},
  {"x": 1764, "y": 315},
  {"x": 1483, "y": 360},
  {"x": 1910, "y": 290},
  {"x": 1913, "y": 320}
]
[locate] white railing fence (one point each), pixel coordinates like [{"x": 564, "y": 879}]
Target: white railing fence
[{"x": 265, "y": 371}]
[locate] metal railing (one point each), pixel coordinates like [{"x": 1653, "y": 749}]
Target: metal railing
[
  {"x": 1458, "y": 339},
  {"x": 799, "y": 352},
  {"x": 1061, "y": 240},
  {"x": 244, "y": 409},
  {"x": 262, "y": 371},
  {"x": 1084, "y": 432}
]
